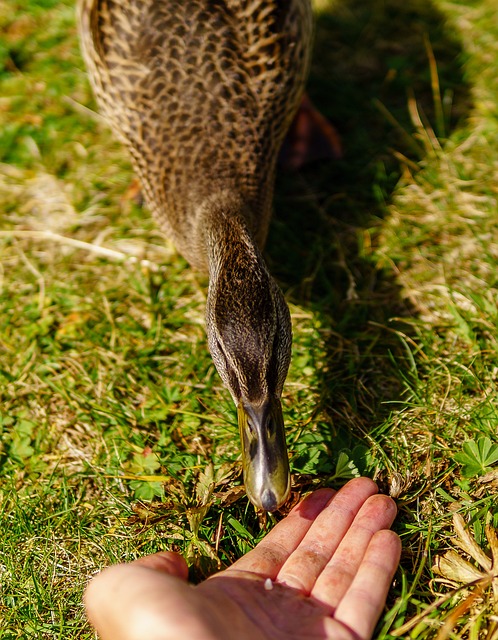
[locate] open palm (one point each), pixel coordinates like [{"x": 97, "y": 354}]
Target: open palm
[{"x": 323, "y": 572}]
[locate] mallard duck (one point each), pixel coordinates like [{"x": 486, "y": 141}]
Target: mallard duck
[{"x": 202, "y": 93}]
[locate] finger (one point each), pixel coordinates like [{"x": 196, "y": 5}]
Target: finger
[
  {"x": 271, "y": 553},
  {"x": 369, "y": 588},
  {"x": 166, "y": 561},
  {"x": 302, "y": 568},
  {"x": 377, "y": 513},
  {"x": 132, "y": 602}
]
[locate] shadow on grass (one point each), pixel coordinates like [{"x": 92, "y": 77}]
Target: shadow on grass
[{"x": 365, "y": 54}]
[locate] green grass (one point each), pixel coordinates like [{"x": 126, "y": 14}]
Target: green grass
[{"x": 116, "y": 436}]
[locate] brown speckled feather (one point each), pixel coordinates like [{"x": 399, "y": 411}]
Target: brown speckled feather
[{"x": 202, "y": 92}]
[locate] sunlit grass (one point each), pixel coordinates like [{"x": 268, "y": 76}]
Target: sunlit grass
[{"x": 116, "y": 436}]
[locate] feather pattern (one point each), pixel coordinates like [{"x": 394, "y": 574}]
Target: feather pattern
[{"x": 202, "y": 92}]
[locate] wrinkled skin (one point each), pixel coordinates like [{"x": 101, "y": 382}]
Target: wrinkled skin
[{"x": 331, "y": 561}]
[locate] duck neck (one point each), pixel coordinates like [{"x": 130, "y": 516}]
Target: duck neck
[
  {"x": 223, "y": 223},
  {"x": 241, "y": 313}
]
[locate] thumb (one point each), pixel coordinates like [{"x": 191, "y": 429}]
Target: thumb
[
  {"x": 167, "y": 562},
  {"x": 130, "y": 601}
]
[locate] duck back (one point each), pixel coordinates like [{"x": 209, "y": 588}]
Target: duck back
[{"x": 202, "y": 92}]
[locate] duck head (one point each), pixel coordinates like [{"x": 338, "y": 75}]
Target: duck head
[{"x": 249, "y": 335}]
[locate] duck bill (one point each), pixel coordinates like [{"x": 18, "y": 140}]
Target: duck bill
[{"x": 264, "y": 454}]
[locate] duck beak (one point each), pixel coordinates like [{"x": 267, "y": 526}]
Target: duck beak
[{"x": 264, "y": 453}]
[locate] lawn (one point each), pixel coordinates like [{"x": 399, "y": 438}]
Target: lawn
[{"x": 116, "y": 436}]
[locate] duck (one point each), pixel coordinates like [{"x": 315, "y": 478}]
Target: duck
[{"x": 202, "y": 93}]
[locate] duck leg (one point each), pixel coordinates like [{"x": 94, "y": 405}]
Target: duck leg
[{"x": 310, "y": 137}]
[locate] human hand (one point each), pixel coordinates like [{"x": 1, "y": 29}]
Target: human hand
[{"x": 322, "y": 573}]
